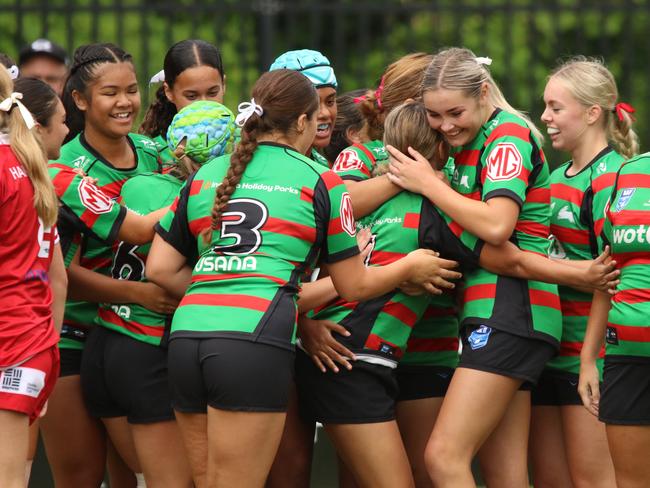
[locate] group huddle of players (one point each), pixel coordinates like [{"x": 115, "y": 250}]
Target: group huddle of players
[{"x": 183, "y": 304}]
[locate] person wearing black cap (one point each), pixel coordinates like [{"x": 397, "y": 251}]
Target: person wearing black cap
[{"x": 46, "y": 61}]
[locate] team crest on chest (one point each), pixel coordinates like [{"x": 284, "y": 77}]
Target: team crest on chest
[{"x": 504, "y": 162}]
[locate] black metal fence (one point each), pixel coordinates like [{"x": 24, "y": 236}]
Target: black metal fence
[{"x": 524, "y": 37}]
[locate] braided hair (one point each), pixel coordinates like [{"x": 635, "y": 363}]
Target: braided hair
[
  {"x": 284, "y": 96},
  {"x": 183, "y": 55},
  {"x": 83, "y": 72}
]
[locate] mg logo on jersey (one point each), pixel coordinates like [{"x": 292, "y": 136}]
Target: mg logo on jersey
[
  {"x": 93, "y": 198},
  {"x": 347, "y": 161},
  {"x": 504, "y": 162},
  {"x": 347, "y": 215}
]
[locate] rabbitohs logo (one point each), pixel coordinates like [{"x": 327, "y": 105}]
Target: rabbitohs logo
[{"x": 93, "y": 198}]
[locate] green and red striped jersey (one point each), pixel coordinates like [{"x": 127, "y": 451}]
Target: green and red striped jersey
[
  {"x": 357, "y": 161},
  {"x": 504, "y": 160},
  {"x": 164, "y": 154},
  {"x": 319, "y": 158},
  {"x": 284, "y": 213},
  {"x": 574, "y": 208},
  {"x": 627, "y": 230},
  {"x": 434, "y": 338},
  {"x": 380, "y": 328},
  {"x": 95, "y": 254},
  {"x": 142, "y": 194}
]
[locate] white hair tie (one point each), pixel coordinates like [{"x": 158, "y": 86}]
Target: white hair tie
[
  {"x": 158, "y": 77},
  {"x": 483, "y": 60},
  {"x": 14, "y": 99},
  {"x": 13, "y": 71},
  {"x": 245, "y": 110}
]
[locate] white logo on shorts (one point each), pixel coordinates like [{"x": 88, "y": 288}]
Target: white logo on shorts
[{"x": 22, "y": 381}]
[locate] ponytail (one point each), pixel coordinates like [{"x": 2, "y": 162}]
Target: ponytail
[
  {"x": 621, "y": 134},
  {"x": 591, "y": 83},
  {"x": 30, "y": 153},
  {"x": 281, "y": 96},
  {"x": 158, "y": 116}
]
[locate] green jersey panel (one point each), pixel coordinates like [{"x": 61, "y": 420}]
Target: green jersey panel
[
  {"x": 94, "y": 254},
  {"x": 504, "y": 160},
  {"x": 284, "y": 212},
  {"x": 380, "y": 328},
  {"x": 142, "y": 194},
  {"x": 357, "y": 161},
  {"x": 626, "y": 229},
  {"x": 573, "y": 213}
]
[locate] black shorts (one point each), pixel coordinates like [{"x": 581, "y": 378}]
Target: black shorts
[
  {"x": 625, "y": 395},
  {"x": 418, "y": 382},
  {"x": 556, "y": 388},
  {"x": 70, "y": 362},
  {"x": 495, "y": 351},
  {"x": 365, "y": 394},
  {"x": 121, "y": 376},
  {"x": 229, "y": 374}
]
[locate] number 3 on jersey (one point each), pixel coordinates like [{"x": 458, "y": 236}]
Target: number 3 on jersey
[{"x": 241, "y": 221}]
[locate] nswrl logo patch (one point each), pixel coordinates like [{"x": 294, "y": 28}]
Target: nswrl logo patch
[
  {"x": 624, "y": 199},
  {"x": 479, "y": 337}
]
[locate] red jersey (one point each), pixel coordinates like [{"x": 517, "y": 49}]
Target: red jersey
[{"x": 26, "y": 248}]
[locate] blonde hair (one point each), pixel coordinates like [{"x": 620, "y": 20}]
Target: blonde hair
[
  {"x": 406, "y": 126},
  {"x": 30, "y": 153},
  {"x": 401, "y": 81},
  {"x": 458, "y": 69},
  {"x": 591, "y": 83}
]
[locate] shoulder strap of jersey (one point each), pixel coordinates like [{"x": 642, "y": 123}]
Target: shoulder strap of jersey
[{"x": 366, "y": 151}]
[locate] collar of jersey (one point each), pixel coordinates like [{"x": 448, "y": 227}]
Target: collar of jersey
[
  {"x": 98, "y": 157},
  {"x": 597, "y": 157}
]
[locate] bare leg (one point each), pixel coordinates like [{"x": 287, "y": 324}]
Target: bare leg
[
  {"x": 547, "y": 450},
  {"x": 292, "y": 465},
  {"x": 75, "y": 442},
  {"x": 473, "y": 407},
  {"x": 503, "y": 456},
  {"x": 346, "y": 477},
  {"x": 31, "y": 451},
  {"x": 14, "y": 444},
  {"x": 241, "y": 447},
  {"x": 162, "y": 455},
  {"x": 590, "y": 463},
  {"x": 416, "y": 419},
  {"x": 120, "y": 435},
  {"x": 374, "y": 453},
  {"x": 630, "y": 449},
  {"x": 194, "y": 431},
  {"x": 119, "y": 474}
]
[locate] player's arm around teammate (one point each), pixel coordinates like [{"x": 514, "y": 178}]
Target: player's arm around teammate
[
  {"x": 582, "y": 119},
  {"x": 101, "y": 101},
  {"x": 246, "y": 415},
  {"x": 500, "y": 172}
]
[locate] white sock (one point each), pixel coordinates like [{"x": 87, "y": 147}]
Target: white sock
[{"x": 140, "y": 483}]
